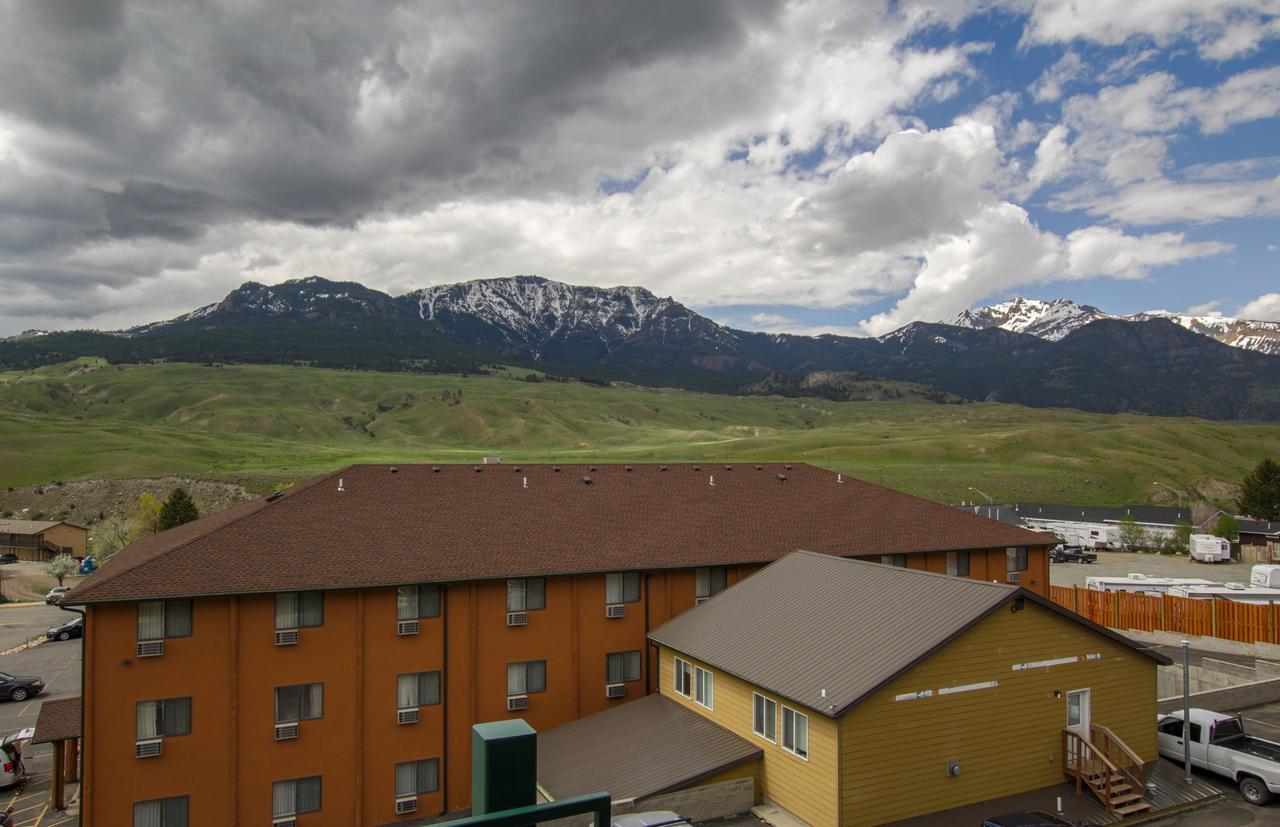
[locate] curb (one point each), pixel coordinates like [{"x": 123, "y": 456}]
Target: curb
[{"x": 21, "y": 605}]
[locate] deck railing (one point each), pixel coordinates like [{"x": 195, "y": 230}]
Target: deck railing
[{"x": 1125, "y": 760}]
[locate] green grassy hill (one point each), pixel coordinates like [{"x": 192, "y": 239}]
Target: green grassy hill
[{"x": 267, "y": 424}]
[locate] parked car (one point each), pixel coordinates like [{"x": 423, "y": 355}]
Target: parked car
[
  {"x": 55, "y": 594},
  {"x": 1071, "y": 554},
  {"x": 656, "y": 818},
  {"x": 13, "y": 769},
  {"x": 66, "y": 631},
  {"x": 8, "y": 558},
  {"x": 20, "y": 687},
  {"x": 1220, "y": 745},
  {"x": 1026, "y": 818}
]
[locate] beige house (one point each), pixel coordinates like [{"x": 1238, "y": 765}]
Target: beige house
[
  {"x": 877, "y": 693},
  {"x": 42, "y": 540}
]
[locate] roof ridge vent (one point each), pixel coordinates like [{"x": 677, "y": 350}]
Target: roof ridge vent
[
  {"x": 662, "y": 467},
  {"x": 782, "y": 478},
  {"x": 697, "y": 467},
  {"x": 393, "y": 469},
  {"x": 478, "y": 469},
  {"x": 555, "y": 469},
  {"x": 786, "y": 468},
  {"x": 627, "y": 468},
  {"x": 728, "y": 468},
  {"x": 586, "y": 480},
  {"x": 759, "y": 467},
  {"x": 435, "y": 469}
]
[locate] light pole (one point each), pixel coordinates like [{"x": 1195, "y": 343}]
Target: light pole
[
  {"x": 993, "y": 502},
  {"x": 1186, "y": 710}
]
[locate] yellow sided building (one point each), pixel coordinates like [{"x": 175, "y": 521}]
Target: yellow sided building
[
  {"x": 42, "y": 540},
  {"x": 876, "y": 693}
]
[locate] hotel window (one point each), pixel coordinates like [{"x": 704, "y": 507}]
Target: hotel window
[
  {"x": 415, "y": 689},
  {"x": 414, "y": 602},
  {"x": 303, "y": 702},
  {"x": 764, "y": 721},
  {"x": 159, "y": 619},
  {"x": 704, "y": 687},
  {"x": 296, "y": 610},
  {"x": 526, "y": 594},
  {"x": 417, "y": 777},
  {"x": 622, "y": 587},
  {"x": 295, "y": 796},
  {"x": 899, "y": 560},
  {"x": 620, "y": 667},
  {"x": 958, "y": 563},
  {"x": 709, "y": 580},
  {"x": 526, "y": 677},
  {"x": 795, "y": 732},
  {"x": 161, "y": 812},
  {"x": 683, "y": 678},
  {"x": 163, "y": 719},
  {"x": 1015, "y": 559}
]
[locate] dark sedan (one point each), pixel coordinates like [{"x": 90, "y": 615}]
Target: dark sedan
[
  {"x": 19, "y": 687},
  {"x": 72, "y": 628}
]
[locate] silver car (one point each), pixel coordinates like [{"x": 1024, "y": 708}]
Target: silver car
[
  {"x": 657, "y": 818},
  {"x": 11, "y": 746}
]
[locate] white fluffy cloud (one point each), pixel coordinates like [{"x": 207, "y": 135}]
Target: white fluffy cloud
[{"x": 1266, "y": 306}]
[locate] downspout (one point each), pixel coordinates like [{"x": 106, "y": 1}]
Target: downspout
[
  {"x": 648, "y": 647},
  {"x": 86, "y": 813}
]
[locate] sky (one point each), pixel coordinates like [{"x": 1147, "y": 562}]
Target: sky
[{"x": 803, "y": 167}]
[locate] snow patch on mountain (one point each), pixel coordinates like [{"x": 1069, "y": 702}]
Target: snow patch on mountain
[{"x": 1054, "y": 320}]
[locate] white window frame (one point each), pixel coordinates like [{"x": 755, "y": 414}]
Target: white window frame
[
  {"x": 704, "y": 684},
  {"x": 791, "y": 749},
  {"x": 683, "y": 667},
  {"x": 756, "y": 697}
]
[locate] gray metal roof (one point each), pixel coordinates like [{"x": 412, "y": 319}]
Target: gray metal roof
[
  {"x": 1150, "y": 514},
  {"x": 627, "y": 750},
  {"x": 811, "y": 622},
  {"x": 1265, "y": 527}
]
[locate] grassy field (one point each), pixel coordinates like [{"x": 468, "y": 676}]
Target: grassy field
[{"x": 262, "y": 425}]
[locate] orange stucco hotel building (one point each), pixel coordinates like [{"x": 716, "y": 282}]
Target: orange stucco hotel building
[{"x": 423, "y": 599}]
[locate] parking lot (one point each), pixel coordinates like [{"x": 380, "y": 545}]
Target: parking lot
[
  {"x": 58, "y": 663},
  {"x": 1121, "y": 563}
]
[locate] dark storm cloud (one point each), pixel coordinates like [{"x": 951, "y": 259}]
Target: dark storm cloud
[{"x": 164, "y": 120}]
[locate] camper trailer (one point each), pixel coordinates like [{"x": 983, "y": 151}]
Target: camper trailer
[
  {"x": 1206, "y": 548},
  {"x": 1265, "y": 576},
  {"x": 1238, "y": 592},
  {"x": 1142, "y": 584},
  {"x": 1086, "y": 535}
]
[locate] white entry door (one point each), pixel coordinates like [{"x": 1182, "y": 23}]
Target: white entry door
[{"x": 1078, "y": 712}]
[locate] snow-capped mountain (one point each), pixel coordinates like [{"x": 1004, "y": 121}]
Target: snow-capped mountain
[
  {"x": 549, "y": 319},
  {"x": 1053, "y": 320}
]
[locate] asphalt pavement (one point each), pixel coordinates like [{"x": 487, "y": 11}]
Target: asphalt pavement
[{"x": 58, "y": 662}]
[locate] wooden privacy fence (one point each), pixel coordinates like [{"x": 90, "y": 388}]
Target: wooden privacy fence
[{"x": 1216, "y": 617}]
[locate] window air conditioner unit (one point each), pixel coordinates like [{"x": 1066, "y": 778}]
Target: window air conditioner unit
[
  {"x": 517, "y": 618},
  {"x": 407, "y": 627},
  {"x": 700, "y": 600},
  {"x": 406, "y": 805},
  {"x": 286, "y": 732},
  {"x": 150, "y": 648},
  {"x": 1014, "y": 576},
  {"x": 286, "y": 637},
  {"x": 285, "y": 821},
  {"x": 517, "y": 702},
  {"x": 615, "y": 690},
  {"x": 408, "y": 716},
  {"x": 615, "y": 610},
  {"x": 150, "y": 748}
]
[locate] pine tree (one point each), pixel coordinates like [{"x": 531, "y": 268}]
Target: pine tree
[
  {"x": 1261, "y": 495},
  {"x": 178, "y": 509}
]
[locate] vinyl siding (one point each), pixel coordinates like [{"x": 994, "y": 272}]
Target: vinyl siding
[
  {"x": 1007, "y": 739},
  {"x": 806, "y": 788}
]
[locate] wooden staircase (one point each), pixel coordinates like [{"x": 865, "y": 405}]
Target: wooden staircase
[{"x": 1107, "y": 766}]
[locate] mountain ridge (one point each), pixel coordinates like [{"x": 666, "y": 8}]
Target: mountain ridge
[{"x": 1149, "y": 365}]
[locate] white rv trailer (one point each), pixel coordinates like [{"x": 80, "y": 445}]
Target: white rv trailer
[
  {"x": 1238, "y": 592},
  {"x": 1085, "y": 535},
  {"x": 1142, "y": 584},
  {"x": 1206, "y": 548},
  {"x": 1266, "y": 576}
]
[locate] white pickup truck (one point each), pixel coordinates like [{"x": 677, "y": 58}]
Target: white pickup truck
[{"x": 1220, "y": 745}]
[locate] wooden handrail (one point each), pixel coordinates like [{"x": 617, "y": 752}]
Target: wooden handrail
[
  {"x": 1127, "y": 761},
  {"x": 1089, "y": 762}
]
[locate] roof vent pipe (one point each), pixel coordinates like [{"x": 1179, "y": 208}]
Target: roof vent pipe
[
  {"x": 526, "y": 482},
  {"x": 711, "y": 480},
  {"x": 340, "y": 488},
  {"x": 840, "y": 478}
]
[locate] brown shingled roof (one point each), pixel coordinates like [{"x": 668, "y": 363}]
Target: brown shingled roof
[
  {"x": 423, "y": 523},
  {"x": 627, "y": 750},
  {"x": 827, "y": 633},
  {"x": 58, "y": 720}
]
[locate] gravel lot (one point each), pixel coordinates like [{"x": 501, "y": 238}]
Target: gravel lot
[{"x": 1120, "y": 563}]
